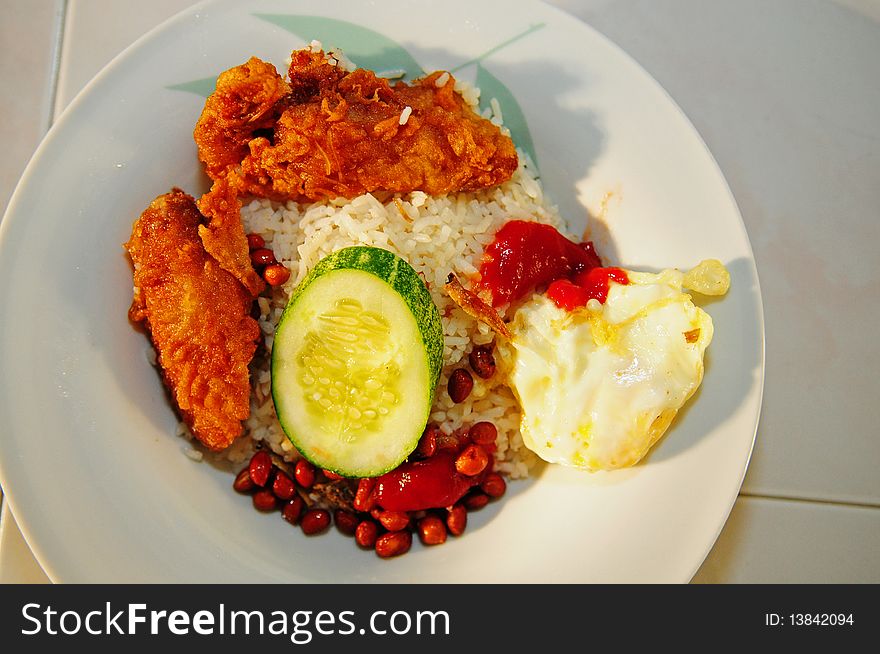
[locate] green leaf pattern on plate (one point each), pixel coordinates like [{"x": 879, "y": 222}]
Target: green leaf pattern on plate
[
  {"x": 514, "y": 119},
  {"x": 363, "y": 46},
  {"x": 370, "y": 49},
  {"x": 203, "y": 87}
]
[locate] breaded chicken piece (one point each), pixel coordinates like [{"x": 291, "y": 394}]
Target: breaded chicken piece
[
  {"x": 223, "y": 236},
  {"x": 198, "y": 317},
  {"x": 245, "y": 101},
  {"x": 330, "y": 133}
]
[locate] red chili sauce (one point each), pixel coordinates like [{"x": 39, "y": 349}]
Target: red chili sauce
[
  {"x": 526, "y": 255},
  {"x": 431, "y": 483},
  {"x": 588, "y": 285}
]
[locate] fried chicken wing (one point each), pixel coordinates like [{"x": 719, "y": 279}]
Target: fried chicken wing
[
  {"x": 198, "y": 317},
  {"x": 330, "y": 133}
]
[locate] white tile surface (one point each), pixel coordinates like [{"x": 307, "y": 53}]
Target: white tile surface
[
  {"x": 27, "y": 44},
  {"x": 98, "y": 30},
  {"x": 785, "y": 95},
  {"x": 783, "y": 541}
]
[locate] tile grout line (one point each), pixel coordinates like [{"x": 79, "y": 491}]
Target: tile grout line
[
  {"x": 61, "y": 22},
  {"x": 811, "y": 500},
  {"x": 49, "y": 116}
]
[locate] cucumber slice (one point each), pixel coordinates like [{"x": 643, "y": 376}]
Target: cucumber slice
[{"x": 355, "y": 361}]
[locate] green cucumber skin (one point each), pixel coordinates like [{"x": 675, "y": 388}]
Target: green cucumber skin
[{"x": 397, "y": 273}]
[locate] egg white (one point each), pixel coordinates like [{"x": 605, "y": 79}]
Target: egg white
[{"x": 599, "y": 386}]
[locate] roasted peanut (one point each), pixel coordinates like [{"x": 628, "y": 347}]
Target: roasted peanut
[
  {"x": 283, "y": 486},
  {"x": 460, "y": 385},
  {"x": 260, "y": 467},
  {"x": 255, "y": 242},
  {"x": 475, "y": 500},
  {"x": 456, "y": 520},
  {"x": 366, "y": 533},
  {"x": 472, "y": 460},
  {"x": 293, "y": 510},
  {"x": 275, "y": 274},
  {"x": 428, "y": 443},
  {"x": 315, "y": 521},
  {"x": 263, "y": 257},
  {"x": 394, "y": 520},
  {"x": 482, "y": 361},
  {"x": 483, "y": 433},
  {"x": 432, "y": 530},
  {"x": 364, "y": 498},
  {"x": 346, "y": 521},
  {"x": 264, "y": 500},
  {"x": 393, "y": 543},
  {"x": 243, "y": 482},
  {"x": 304, "y": 473},
  {"x": 494, "y": 485}
]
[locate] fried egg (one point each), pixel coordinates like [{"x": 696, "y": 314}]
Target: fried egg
[{"x": 600, "y": 385}]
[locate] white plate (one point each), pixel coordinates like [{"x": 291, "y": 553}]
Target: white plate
[{"x": 89, "y": 457}]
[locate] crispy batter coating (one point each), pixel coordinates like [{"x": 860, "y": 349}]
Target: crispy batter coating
[
  {"x": 330, "y": 133},
  {"x": 224, "y": 237},
  {"x": 245, "y": 101},
  {"x": 198, "y": 317}
]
